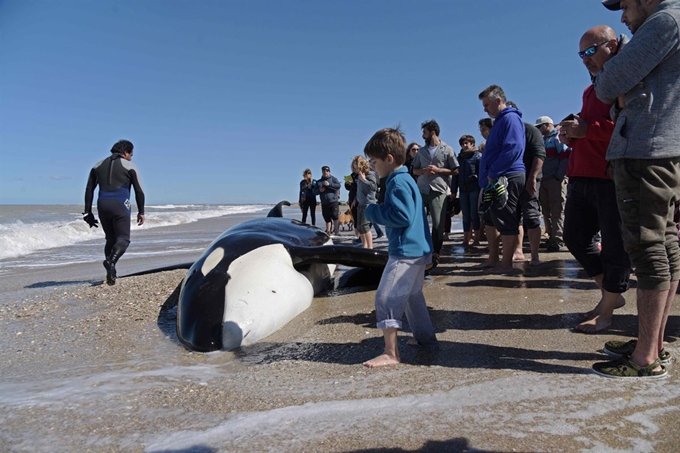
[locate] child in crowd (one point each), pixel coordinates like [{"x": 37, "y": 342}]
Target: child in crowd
[
  {"x": 467, "y": 183},
  {"x": 410, "y": 249},
  {"x": 367, "y": 186}
]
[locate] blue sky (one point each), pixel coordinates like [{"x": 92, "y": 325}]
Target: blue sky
[{"x": 228, "y": 101}]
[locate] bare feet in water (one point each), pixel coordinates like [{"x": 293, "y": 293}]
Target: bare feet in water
[
  {"x": 534, "y": 262},
  {"x": 382, "y": 360},
  {"x": 595, "y": 324},
  {"x": 518, "y": 258},
  {"x": 592, "y": 313}
]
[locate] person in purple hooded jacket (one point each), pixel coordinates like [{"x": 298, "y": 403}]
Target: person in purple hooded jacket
[{"x": 503, "y": 156}]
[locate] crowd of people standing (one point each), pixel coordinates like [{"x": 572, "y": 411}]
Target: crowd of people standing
[{"x": 606, "y": 181}]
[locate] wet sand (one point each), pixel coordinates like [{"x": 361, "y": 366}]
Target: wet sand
[{"x": 88, "y": 367}]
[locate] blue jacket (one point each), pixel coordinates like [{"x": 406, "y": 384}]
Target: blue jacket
[
  {"x": 403, "y": 215},
  {"x": 504, "y": 149},
  {"x": 331, "y": 193},
  {"x": 467, "y": 179}
]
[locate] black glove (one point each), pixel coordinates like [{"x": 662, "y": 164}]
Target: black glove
[{"x": 91, "y": 220}]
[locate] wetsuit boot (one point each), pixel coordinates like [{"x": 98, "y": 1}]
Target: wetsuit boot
[{"x": 110, "y": 264}]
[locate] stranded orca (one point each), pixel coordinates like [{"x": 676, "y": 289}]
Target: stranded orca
[{"x": 256, "y": 277}]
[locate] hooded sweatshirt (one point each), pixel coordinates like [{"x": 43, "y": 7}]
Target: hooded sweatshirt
[{"x": 504, "y": 149}]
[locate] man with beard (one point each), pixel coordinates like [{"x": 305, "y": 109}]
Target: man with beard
[
  {"x": 644, "y": 158},
  {"x": 434, "y": 165},
  {"x": 502, "y": 157}
]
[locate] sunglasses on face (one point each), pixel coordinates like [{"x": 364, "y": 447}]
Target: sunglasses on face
[{"x": 590, "y": 51}]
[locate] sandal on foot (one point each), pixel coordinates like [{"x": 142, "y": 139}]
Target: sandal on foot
[
  {"x": 626, "y": 348},
  {"x": 624, "y": 368}
]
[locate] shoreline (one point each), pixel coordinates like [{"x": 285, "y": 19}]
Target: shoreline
[{"x": 87, "y": 367}]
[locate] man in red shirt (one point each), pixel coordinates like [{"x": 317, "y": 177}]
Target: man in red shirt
[{"x": 591, "y": 201}]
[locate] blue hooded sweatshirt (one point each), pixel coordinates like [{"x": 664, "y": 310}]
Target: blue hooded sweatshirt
[
  {"x": 504, "y": 149},
  {"x": 402, "y": 212}
]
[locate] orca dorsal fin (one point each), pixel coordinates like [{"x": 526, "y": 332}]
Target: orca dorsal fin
[{"x": 277, "y": 211}]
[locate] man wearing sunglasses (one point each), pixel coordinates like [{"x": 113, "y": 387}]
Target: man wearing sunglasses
[
  {"x": 591, "y": 203},
  {"x": 644, "y": 158}
]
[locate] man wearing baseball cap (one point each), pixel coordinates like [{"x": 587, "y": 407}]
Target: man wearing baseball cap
[
  {"x": 553, "y": 189},
  {"x": 644, "y": 158},
  {"x": 328, "y": 188}
]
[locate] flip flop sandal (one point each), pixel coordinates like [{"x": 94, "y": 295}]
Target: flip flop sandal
[
  {"x": 621, "y": 348},
  {"x": 624, "y": 368}
]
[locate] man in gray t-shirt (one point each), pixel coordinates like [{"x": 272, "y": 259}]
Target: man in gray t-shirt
[{"x": 434, "y": 165}]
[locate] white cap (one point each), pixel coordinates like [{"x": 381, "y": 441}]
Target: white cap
[{"x": 543, "y": 120}]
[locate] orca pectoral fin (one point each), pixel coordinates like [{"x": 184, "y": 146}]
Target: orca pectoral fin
[
  {"x": 161, "y": 269},
  {"x": 339, "y": 254},
  {"x": 277, "y": 211}
]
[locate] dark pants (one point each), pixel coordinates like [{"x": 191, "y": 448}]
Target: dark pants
[
  {"x": 591, "y": 207},
  {"x": 115, "y": 220},
  {"x": 311, "y": 206}
]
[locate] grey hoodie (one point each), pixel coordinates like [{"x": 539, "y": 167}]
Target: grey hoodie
[{"x": 647, "y": 72}]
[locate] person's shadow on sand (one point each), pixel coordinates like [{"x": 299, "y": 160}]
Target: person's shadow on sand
[
  {"x": 455, "y": 445},
  {"x": 450, "y": 354},
  {"x": 53, "y": 283}
]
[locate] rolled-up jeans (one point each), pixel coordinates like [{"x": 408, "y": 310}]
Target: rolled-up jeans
[{"x": 401, "y": 291}]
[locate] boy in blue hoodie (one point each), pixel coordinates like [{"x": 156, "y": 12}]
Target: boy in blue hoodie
[{"x": 410, "y": 249}]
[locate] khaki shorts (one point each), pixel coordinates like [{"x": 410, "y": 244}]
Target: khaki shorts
[{"x": 646, "y": 191}]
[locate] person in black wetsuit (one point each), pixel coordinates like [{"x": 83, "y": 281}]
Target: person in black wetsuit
[{"x": 114, "y": 175}]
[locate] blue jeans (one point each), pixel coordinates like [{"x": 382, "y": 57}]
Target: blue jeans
[{"x": 470, "y": 210}]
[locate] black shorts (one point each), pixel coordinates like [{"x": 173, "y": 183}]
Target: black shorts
[
  {"x": 330, "y": 211},
  {"x": 529, "y": 210}
]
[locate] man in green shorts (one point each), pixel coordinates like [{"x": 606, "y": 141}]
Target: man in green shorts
[{"x": 642, "y": 81}]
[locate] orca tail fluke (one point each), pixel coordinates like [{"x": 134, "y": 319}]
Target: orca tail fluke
[{"x": 340, "y": 254}]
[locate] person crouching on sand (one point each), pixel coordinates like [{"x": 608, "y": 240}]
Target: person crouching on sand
[{"x": 410, "y": 249}]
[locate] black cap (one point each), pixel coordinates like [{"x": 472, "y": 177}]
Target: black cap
[
  {"x": 612, "y": 5},
  {"x": 325, "y": 167}
]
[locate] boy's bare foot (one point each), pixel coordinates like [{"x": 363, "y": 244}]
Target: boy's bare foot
[
  {"x": 518, "y": 257},
  {"x": 534, "y": 262},
  {"x": 382, "y": 360},
  {"x": 476, "y": 244},
  {"x": 594, "y": 324}
]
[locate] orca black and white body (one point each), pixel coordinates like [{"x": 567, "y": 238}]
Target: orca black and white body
[{"x": 256, "y": 277}]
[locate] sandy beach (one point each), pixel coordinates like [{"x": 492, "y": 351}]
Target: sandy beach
[{"x": 88, "y": 367}]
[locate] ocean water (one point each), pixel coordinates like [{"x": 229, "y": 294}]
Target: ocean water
[{"x": 55, "y": 235}]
